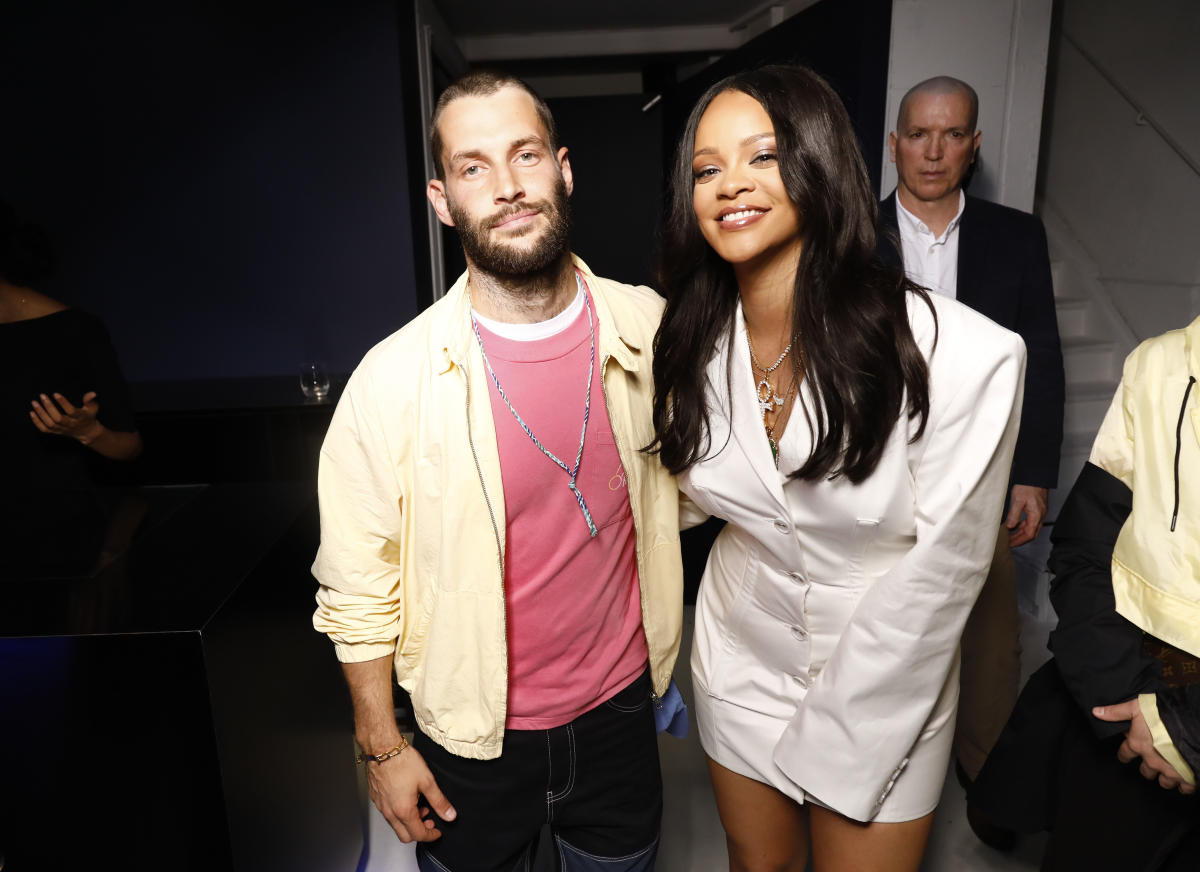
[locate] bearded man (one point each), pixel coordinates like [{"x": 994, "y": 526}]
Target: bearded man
[{"x": 492, "y": 534}]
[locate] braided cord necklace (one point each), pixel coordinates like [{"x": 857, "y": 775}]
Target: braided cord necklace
[{"x": 573, "y": 472}]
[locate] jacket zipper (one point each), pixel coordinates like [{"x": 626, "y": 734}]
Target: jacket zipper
[{"x": 1179, "y": 446}]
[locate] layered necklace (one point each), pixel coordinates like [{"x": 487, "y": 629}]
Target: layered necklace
[
  {"x": 770, "y": 401},
  {"x": 571, "y": 471}
]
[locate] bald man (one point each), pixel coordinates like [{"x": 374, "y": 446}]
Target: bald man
[{"x": 995, "y": 260}]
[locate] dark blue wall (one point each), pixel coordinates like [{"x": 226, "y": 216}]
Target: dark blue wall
[
  {"x": 225, "y": 181},
  {"x": 616, "y": 203}
]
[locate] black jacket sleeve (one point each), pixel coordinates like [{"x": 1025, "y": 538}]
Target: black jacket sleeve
[
  {"x": 1035, "y": 461},
  {"x": 1098, "y": 652}
]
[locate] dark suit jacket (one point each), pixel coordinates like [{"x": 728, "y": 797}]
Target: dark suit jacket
[{"x": 1004, "y": 273}]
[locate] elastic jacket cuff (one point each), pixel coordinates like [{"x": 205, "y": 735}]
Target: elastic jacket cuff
[
  {"x": 1148, "y": 703},
  {"x": 360, "y": 652}
]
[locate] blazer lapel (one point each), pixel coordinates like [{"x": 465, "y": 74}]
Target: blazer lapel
[
  {"x": 747, "y": 420},
  {"x": 970, "y": 257}
]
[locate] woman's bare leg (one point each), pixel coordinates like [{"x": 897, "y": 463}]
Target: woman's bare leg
[
  {"x": 765, "y": 831},
  {"x": 843, "y": 845}
]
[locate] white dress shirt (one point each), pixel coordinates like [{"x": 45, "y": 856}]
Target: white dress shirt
[{"x": 930, "y": 261}]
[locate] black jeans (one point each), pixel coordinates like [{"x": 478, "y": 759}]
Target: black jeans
[{"x": 593, "y": 785}]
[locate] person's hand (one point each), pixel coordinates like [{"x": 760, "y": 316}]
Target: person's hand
[
  {"x": 59, "y": 417},
  {"x": 1030, "y": 502},
  {"x": 1139, "y": 743},
  {"x": 395, "y": 785}
]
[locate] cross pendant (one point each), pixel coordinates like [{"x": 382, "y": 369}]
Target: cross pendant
[{"x": 768, "y": 400}]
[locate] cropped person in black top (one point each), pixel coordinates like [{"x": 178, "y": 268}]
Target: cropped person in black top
[
  {"x": 60, "y": 359},
  {"x": 62, "y": 397}
]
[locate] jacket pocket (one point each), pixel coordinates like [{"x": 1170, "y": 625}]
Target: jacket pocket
[
  {"x": 865, "y": 530},
  {"x": 604, "y": 485}
]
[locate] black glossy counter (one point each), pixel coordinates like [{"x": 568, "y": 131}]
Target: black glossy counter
[{"x": 175, "y": 708}]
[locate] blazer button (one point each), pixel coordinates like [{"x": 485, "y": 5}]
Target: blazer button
[{"x": 782, "y": 526}]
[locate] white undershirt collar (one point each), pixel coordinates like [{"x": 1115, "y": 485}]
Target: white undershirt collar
[{"x": 540, "y": 329}]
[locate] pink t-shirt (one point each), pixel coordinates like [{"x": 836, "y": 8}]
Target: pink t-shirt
[{"x": 573, "y": 607}]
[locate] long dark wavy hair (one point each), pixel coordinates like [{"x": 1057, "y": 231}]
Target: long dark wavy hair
[{"x": 849, "y": 308}]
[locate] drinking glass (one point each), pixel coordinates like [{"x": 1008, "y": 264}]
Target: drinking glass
[{"x": 314, "y": 381}]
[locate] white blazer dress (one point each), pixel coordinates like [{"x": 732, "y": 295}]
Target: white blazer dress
[{"x": 825, "y": 658}]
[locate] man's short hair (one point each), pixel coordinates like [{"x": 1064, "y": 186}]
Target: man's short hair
[
  {"x": 940, "y": 86},
  {"x": 483, "y": 83}
]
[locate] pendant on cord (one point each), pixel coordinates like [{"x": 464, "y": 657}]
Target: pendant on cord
[{"x": 572, "y": 472}]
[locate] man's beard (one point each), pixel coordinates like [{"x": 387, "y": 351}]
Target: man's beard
[{"x": 500, "y": 258}]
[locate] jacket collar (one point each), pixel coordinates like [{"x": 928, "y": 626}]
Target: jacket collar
[
  {"x": 1191, "y": 336},
  {"x": 1191, "y": 344},
  {"x": 453, "y": 340}
]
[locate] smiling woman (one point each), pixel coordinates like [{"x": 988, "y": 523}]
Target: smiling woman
[
  {"x": 778, "y": 141},
  {"x": 739, "y": 197},
  {"x": 827, "y": 625}
]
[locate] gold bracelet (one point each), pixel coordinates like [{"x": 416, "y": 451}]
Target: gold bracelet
[{"x": 364, "y": 757}]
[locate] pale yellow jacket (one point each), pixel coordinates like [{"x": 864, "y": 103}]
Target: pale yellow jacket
[
  {"x": 1156, "y": 569},
  {"x": 412, "y": 513}
]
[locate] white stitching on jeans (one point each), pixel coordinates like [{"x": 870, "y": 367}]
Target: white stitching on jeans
[
  {"x": 436, "y": 862},
  {"x": 561, "y": 842},
  {"x": 626, "y": 709},
  {"x": 571, "y": 757},
  {"x": 549, "y": 780}
]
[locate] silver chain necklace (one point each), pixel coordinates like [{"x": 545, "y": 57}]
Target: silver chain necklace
[{"x": 573, "y": 472}]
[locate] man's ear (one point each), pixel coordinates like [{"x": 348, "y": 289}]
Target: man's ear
[
  {"x": 436, "y": 192},
  {"x": 564, "y": 167},
  {"x": 892, "y": 145},
  {"x": 977, "y": 139}
]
